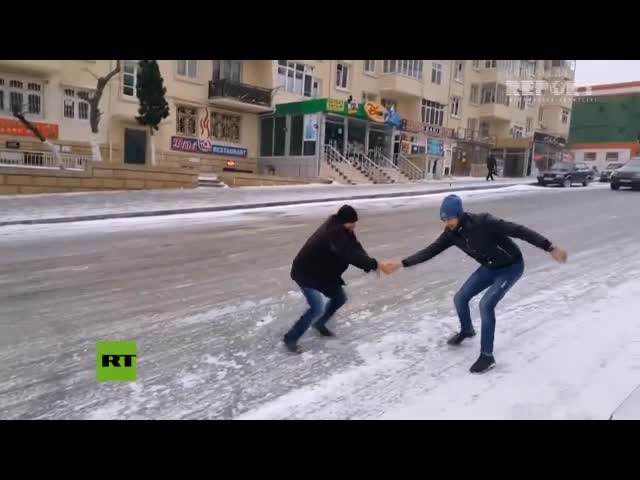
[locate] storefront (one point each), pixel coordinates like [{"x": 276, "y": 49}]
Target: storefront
[
  {"x": 292, "y": 139},
  {"x": 524, "y": 157}
]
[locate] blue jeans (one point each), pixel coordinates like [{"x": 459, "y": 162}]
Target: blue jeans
[
  {"x": 318, "y": 312},
  {"x": 498, "y": 282}
]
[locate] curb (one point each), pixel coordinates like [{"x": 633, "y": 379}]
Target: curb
[{"x": 250, "y": 206}]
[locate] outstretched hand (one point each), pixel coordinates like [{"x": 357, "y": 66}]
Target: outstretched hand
[
  {"x": 389, "y": 267},
  {"x": 559, "y": 255}
]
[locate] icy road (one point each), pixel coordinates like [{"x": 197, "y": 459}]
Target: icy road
[{"x": 207, "y": 298}]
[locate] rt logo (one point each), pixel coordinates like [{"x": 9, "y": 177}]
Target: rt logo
[{"x": 116, "y": 361}]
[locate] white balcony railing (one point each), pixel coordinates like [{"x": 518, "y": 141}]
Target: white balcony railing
[{"x": 32, "y": 159}]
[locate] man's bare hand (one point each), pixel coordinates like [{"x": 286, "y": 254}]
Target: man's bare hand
[
  {"x": 390, "y": 267},
  {"x": 559, "y": 255}
]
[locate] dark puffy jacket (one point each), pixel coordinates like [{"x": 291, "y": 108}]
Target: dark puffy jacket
[
  {"x": 326, "y": 255},
  {"x": 484, "y": 238},
  {"x": 492, "y": 163}
]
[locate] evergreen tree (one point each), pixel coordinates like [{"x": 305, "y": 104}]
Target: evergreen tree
[{"x": 150, "y": 91}]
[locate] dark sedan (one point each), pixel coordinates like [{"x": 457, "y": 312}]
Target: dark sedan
[
  {"x": 566, "y": 174},
  {"x": 605, "y": 176},
  {"x": 627, "y": 176}
]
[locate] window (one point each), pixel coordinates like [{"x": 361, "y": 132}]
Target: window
[
  {"x": 297, "y": 78},
  {"x": 474, "y": 96},
  {"x": 279, "y": 136},
  {"x": 590, "y": 156},
  {"x": 370, "y": 66},
  {"x": 488, "y": 93},
  {"x": 342, "y": 76},
  {"x": 611, "y": 157},
  {"x": 490, "y": 63},
  {"x": 565, "y": 116},
  {"x": 529, "y": 126},
  {"x": 227, "y": 70},
  {"x": 225, "y": 127},
  {"x": 186, "y": 121},
  {"x": 484, "y": 129},
  {"x": 472, "y": 124},
  {"x": 432, "y": 112},
  {"x": 455, "y": 106},
  {"x": 74, "y": 107},
  {"x": 501, "y": 95},
  {"x": 436, "y": 73},
  {"x": 459, "y": 73},
  {"x": 297, "y": 125},
  {"x": 540, "y": 114},
  {"x": 129, "y": 77},
  {"x": 522, "y": 102},
  {"x": 188, "y": 68},
  {"x": 475, "y": 64},
  {"x": 517, "y": 131},
  {"x": 26, "y": 96},
  {"x": 410, "y": 68}
]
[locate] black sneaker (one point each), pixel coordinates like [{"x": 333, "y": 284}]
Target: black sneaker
[
  {"x": 324, "y": 331},
  {"x": 291, "y": 346},
  {"x": 460, "y": 336},
  {"x": 484, "y": 363}
]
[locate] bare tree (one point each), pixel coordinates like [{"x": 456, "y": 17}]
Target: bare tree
[
  {"x": 19, "y": 114},
  {"x": 94, "y": 108}
]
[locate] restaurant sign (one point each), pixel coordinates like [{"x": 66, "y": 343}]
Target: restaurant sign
[{"x": 183, "y": 144}]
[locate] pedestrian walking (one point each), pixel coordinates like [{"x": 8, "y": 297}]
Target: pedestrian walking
[
  {"x": 487, "y": 239},
  {"x": 492, "y": 166}
]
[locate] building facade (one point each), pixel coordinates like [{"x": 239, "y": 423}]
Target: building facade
[
  {"x": 447, "y": 115},
  {"x": 607, "y": 128}
]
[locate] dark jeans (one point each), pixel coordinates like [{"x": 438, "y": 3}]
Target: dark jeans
[
  {"x": 490, "y": 174},
  {"x": 498, "y": 282},
  {"x": 318, "y": 312}
]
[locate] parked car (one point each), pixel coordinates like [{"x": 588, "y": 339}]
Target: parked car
[
  {"x": 606, "y": 173},
  {"x": 566, "y": 174},
  {"x": 627, "y": 176}
]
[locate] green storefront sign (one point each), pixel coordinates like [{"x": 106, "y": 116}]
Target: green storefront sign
[{"x": 322, "y": 105}]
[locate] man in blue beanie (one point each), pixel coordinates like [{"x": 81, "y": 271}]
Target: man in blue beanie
[{"x": 486, "y": 239}]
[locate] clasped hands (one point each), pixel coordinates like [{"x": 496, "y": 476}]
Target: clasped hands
[{"x": 389, "y": 267}]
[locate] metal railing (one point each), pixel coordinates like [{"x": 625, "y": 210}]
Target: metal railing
[
  {"x": 250, "y": 94},
  {"x": 408, "y": 168},
  {"x": 389, "y": 167},
  {"x": 357, "y": 160},
  {"x": 31, "y": 159}
]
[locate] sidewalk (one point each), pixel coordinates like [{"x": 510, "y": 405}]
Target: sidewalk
[{"x": 73, "y": 207}]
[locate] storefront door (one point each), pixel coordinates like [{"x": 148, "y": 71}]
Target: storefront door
[{"x": 334, "y": 134}]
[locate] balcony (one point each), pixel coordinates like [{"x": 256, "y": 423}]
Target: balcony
[
  {"x": 239, "y": 96},
  {"x": 497, "y": 75},
  {"x": 396, "y": 84},
  {"x": 496, "y": 111},
  {"x": 560, "y": 73}
]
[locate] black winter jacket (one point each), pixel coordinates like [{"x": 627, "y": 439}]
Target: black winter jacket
[
  {"x": 326, "y": 255},
  {"x": 484, "y": 238}
]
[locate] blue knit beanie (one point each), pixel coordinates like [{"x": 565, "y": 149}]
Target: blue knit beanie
[{"x": 451, "y": 207}]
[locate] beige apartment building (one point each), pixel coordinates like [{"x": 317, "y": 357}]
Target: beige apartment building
[{"x": 277, "y": 116}]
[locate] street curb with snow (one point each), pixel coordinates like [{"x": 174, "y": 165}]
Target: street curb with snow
[{"x": 249, "y": 206}]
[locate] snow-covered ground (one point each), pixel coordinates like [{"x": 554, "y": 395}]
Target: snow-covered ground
[{"x": 208, "y": 297}]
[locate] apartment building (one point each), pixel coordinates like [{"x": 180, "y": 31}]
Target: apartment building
[{"x": 276, "y": 116}]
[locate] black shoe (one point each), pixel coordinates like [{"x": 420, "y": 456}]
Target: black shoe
[
  {"x": 324, "y": 331},
  {"x": 459, "y": 337},
  {"x": 291, "y": 346},
  {"x": 484, "y": 363}
]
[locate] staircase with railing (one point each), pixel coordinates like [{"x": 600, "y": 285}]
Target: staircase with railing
[
  {"x": 391, "y": 170},
  {"x": 408, "y": 168},
  {"x": 355, "y": 168}
]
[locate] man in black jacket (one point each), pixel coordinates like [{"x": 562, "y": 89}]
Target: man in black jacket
[
  {"x": 318, "y": 269},
  {"x": 492, "y": 166},
  {"x": 486, "y": 239}
]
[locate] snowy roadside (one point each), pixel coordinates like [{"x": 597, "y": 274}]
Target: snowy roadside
[{"x": 98, "y": 205}]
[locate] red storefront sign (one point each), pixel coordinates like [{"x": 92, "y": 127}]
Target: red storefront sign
[{"x": 10, "y": 126}]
